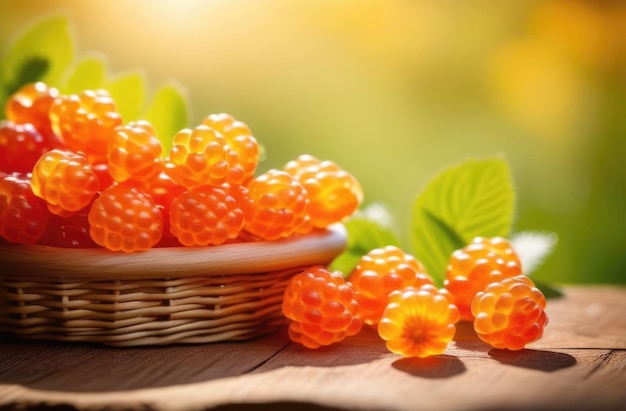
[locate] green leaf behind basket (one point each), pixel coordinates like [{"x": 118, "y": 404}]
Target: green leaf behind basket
[
  {"x": 367, "y": 229},
  {"x": 40, "y": 52},
  {"x": 89, "y": 72},
  {"x": 127, "y": 89},
  {"x": 474, "y": 198},
  {"x": 168, "y": 112}
]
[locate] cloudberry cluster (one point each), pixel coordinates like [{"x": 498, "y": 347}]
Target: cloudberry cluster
[
  {"x": 416, "y": 319},
  {"x": 473, "y": 267},
  {"x": 321, "y": 308},
  {"x": 87, "y": 178},
  {"x": 380, "y": 272}
]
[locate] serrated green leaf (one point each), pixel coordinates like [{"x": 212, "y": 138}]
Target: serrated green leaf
[
  {"x": 129, "y": 92},
  {"x": 367, "y": 229},
  {"x": 474, "y": 198},
  {"x": 533, "y": 247},
  {"x": 168, "y": 112},
  {"x": 89, "y": 73},
  {"x": 41, "y": 52}
]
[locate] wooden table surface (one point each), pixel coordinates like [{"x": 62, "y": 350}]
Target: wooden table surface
[{"x": 579, "y": 364}]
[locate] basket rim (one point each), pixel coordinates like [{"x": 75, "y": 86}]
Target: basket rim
[{"x": 317, "y": 247}]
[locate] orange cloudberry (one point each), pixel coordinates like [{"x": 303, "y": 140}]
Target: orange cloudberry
[
  {"x": 510, "y": 313},
  {"x": 205, "y": 215},
  {"x": 23, "y": 216},
  {"x": 134, "y": 153},
  {"x": 418, "y": 322},
  {"x": 378, "y": 273},
  {"x": 86, "y": 122},
  {"x": 243, "y": 148},
  {"x": 333, "y": 192},
  {"x": 124, "y": 218},
  {"x": 66, "y": 180},
  {"x": 473, "y": 267},
  {"x": 275, "y": 206},
  {"x": 321, "y": 308}
]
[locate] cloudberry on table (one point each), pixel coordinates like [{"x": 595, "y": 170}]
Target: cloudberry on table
[
  {"x": 134, "y": 153},
  {"x": 23, "y": 216},
  {"x": 86, "y": 122},
  {"x": 198, "y": 157},
  {"x": 124, "y": 218},
  {"x": 473, "y": 267},
  {"x": 510, "y": 313},
  {"x": 243, "y": 148},
  {"x": 31, "y": 105},
  {"x": 378, "y": 273},
  {"x": 418, "y": 322},
  {"x": 21, "y": 145},
  {"x": 333, "y": 192},
  {"x": 275, "y": 206},
  {"x": 64, "y": 179},
  {"x": 321, "y": 307},
  {"x": 205, "y": 215}
]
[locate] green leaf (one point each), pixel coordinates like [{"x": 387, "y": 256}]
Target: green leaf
[
  {"x": 474, "y": 198},
  {"x": 41, "y": 52},
  {"x": 549, "y": 291},
  {"x": 128, "y": 89},
  {"x": 367, "y": 229},
  {"x": 129, "y": 92},
  {"x": 89, "y": 73},
  {"x": 533, "y": 247},
  {"x": 168, "y": 112}
]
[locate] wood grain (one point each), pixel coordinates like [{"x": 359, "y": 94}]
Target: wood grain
[{"x": 578, "y": 365}]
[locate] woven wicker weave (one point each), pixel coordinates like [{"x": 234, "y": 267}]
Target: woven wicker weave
[{"x": 161, "y": 296}]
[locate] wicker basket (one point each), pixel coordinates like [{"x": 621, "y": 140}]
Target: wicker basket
[{"x": 160, "y": 296}]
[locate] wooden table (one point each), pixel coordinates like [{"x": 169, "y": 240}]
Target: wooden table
[{"x": 579, "y": 364}]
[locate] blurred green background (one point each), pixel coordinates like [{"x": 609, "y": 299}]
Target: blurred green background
[{"x": 395, "y": 90}]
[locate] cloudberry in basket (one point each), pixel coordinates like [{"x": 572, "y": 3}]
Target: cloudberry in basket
[
  {"x": 31, "y": 105},
  {"x": 70, "y": 231},
  {"x": 205, "y": 215},
  {"x": 473, "y": 267},
  {"x": 510, "y": 313},
  {"x": 243, "y": 148},
  {"x": 135, "y": 153},
  {"x": 333, "y": 192},
  {"x": 163, "y": 191},
  {"x": 86, "y": 122},
  {"x": 418, "y": 322},
  {"x": 21, "y": 145},
  {"x": 275, "y": 206},
  {"x": 23, "y": 216},
  {"x": 124, "y": 218},
  {"x": 66, "y": 180},
  {"x": 321, "y": 308},
  {"x": 378, "y": 273},
  {"x": 198, "y": 157}
]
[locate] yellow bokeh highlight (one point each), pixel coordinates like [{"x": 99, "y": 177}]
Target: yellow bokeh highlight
[{"x": 536, "y": 86}]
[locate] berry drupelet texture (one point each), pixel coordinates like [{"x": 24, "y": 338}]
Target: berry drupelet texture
[
  {"x": 380, "y": 272},
  {"x": 418, "y": 322},
  {"x": 321, "y": 307},
  {"x": 510, "y": 313},
  {"x": 473, "y": 267}
]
